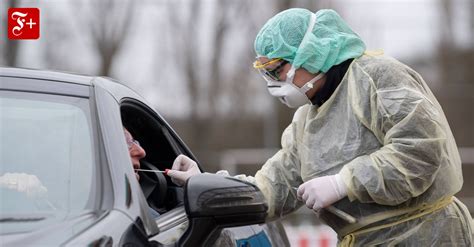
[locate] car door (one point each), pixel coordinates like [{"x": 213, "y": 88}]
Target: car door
[{"x": 126, "y": 195}]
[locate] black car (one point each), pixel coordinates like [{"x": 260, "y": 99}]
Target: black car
[{"x": 66, "y": 176}]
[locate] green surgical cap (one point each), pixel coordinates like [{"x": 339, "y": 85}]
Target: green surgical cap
[{"x": 331, "y": 41}]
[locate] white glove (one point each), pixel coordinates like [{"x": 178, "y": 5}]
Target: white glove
[
  {"x": 321, "y": 192},
  {"x": 22, "y": 182},
  {"x": 183, "y": 168}
]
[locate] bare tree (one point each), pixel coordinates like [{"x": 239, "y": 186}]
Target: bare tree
[
  {"x": 58, "y": 41},
  {"x": 233, "y": 86},
  {"x": 203, "y": 73},
  {"x": 184, "y": 22},
  {"x": 451, "y": 67},
  {"x": 447, "y": 23},
  {"x": 284, "y": 4},
  {"x": 471, "y": 16},
  {"x": 108, "y": 22},
  {"x": 11, "y": 47},
  {"x": 220, "y": 30}
]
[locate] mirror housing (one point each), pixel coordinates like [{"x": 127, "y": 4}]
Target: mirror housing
[{"x": 213, "y": 202}]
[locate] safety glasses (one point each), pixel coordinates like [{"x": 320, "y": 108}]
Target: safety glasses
[
  {"x": 270, "y": 69},
  {"x": 131, "y": 142}
]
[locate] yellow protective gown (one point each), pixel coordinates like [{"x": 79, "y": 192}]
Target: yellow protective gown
[{"x": 385, "y": 133}]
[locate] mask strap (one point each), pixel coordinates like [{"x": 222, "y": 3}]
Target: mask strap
[
  {"x": 291, "y": 73},
  {"x": 312, "y": 21},
  {"x": 310, "y": 84}
]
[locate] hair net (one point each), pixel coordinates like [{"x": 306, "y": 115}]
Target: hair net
[{"x": 330, "y": 43}]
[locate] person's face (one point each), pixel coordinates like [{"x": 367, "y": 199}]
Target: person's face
[
  {"x": 135, "y": 150},
  {"x": 301, "y": 77}
]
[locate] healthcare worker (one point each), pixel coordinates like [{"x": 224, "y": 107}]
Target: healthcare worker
[{"x": 368, "y": 139}]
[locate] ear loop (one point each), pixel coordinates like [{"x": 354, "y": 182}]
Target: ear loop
[{"x": 310, "y": 84}]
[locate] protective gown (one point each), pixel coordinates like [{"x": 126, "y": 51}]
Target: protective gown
[{"x": 385, "y": 133}]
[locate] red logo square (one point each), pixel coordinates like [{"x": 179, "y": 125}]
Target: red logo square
[{"x": 23, "y": 23}]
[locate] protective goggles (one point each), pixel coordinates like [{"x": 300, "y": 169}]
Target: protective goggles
[{"x": 270, "y": 69}]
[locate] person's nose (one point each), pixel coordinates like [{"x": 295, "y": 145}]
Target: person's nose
[{"x": 138, "y": 151}]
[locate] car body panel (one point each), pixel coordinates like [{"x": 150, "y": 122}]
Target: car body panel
[
  {"x": 108, "y": 229},
  {"x": 63, "y": 232},
  {"x": 46, "y": 75}
]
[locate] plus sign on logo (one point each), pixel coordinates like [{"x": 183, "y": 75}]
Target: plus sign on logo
[{"x": 23, "y": 23}]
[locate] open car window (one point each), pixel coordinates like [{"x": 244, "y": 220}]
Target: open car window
[
  {"x": 161, "y": 147},
  {"x": 152, "y": 132}
]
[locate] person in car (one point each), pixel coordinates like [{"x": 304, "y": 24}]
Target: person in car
[
  {"x": 136, "y": 154},
  {"x": 135, "y": 150}
]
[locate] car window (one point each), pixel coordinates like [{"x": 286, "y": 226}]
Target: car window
[
  {"x": 161, "y": 149},
  {"x": 46, "y": 158},
  {"x": 160, "y": 142}
]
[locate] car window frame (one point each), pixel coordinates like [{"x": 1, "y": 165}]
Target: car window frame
[
  {"x": 175, "y": 141},
  {"x": 160, "y": 124}
]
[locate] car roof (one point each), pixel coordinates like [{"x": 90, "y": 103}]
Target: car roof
[
  {"x": 47, "y": 75},
  {"x": 116, "y": 88}
]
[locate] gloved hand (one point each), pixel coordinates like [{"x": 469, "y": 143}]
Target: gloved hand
[
  {"x": 183, "y": 168},
  {"x": 22, "y": 182},
  {"x": 321, "y": 192}
]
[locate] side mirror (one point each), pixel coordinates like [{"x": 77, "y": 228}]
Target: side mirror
[{"x": 213, "y": 202}]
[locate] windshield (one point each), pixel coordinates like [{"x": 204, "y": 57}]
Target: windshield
[{"x": 46, "y": 159}]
